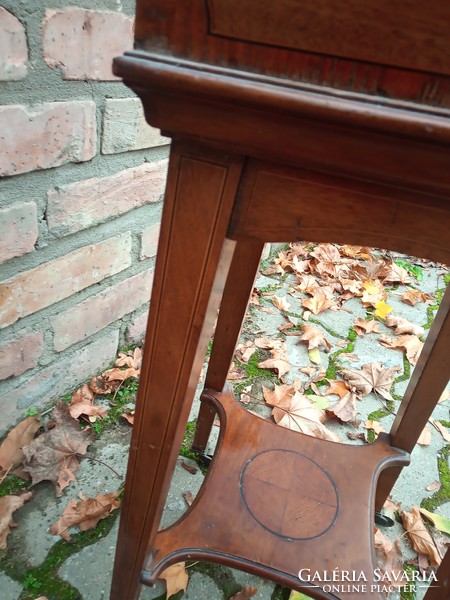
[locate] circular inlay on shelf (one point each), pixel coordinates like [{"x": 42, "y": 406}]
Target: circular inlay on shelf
[{"x": 289, "y": 494}]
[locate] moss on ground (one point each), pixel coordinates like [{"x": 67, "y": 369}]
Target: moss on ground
[
  {"x": 442, "y": 495},
  {"x": 12, "y": 484}
]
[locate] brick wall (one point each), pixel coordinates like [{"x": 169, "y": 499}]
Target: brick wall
[{"x": 80, "y": 199}]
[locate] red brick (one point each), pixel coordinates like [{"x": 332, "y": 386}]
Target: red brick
[
  {"x": 21, "y": 353},
  {"x": 46, "y": 135},
  {"x": 18, "y": 230},
  {"x": 83, "y": 43},
  {"x": 136, "y": 329},
  {"x": 64, "y": 375},
  {"x": 13, "y": 47},
  {"x": 125, "y": 127},
  {"x": 86, "y": 203},
  {"x": 149, "y": 241},
  {"x": 100, "y": 310},
  {"x": 28, "y": 292}
]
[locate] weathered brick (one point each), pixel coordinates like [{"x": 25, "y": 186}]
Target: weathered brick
[
  {"x": 21, "y": 353},
  {"x": 100, "y": 310},
  {"x": 83, "y": 43},
  {"x": 18, "y": 230},
  {"x": 13, "y": 47},
  {"x": 149, "y": 241},
  {"x": 125, "y": 127},
  {"x": 82, "y": 204},
  {"x": 28, "y": 292},
  {"x": 46, "y": 136},
  {"x": 136, "y": 329},
  {"x": 64, "y": 375}
]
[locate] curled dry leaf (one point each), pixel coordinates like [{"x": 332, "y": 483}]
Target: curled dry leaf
[
  {"x": 176, "y": 578},
  {"x": 409, "y": 343},
  {"x": 189, "y": 497},
  {"x": 314, "y": 337},
  {"x": 434, "y": 487},
  {"x": 134, "y": 361},
  {"x": 11, "y": 454},
  {"x": 396, "y": 274},
  {"x": 279, "y": 361},
  {"x": 425, "y": 437},
  {"x": 121, "y": 374},
  {"x": 85, "y": 513},
  {"x": 440, "y": 522},
  {"x": 412, "y": 297},
  {"x": 82, "y": 404},
  {"x": 345, "y": 409},
  {"x": 53, "y": 455},
  {"x": 418, "y": 534},
  {"x": 245, "y": 594},
  {"x": 337, "y": 387},
  {"x": 362, "y": 327},
  {"x": 318, "y": 303},
  {"x": 244, "y": 351},
  {"x": 442, "y": 429},
  {"x": 8, "y": 505},
  {"x": 392, "y": 505},
  {"x": 389, "y": 558},
  {"x": 401, "y": 325},
  {"x": 281, "y": 303},
  {"x": 129, "y": 417}
]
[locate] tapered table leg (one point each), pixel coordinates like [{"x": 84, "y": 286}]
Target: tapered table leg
[
  {"x": 427, "y": 383},
  {"x": 192, "y": 263},
  {"x": 238, "y": 288},
  {"x": 440, "y": 589}
]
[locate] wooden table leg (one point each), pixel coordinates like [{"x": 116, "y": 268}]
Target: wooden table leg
[
  {"x": 238, "y": 288},
  {"x": 440, "y": 589},
  {"x": 192, "y": 264},
  {"x": 427, "y": 383}
]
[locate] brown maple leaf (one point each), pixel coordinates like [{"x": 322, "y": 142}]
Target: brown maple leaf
[
  {"x": 410, "y": 343},
  {"x": 126, "y": 360},
  {"x": 294, "y": 411},
  {"x": 11, "y": 454},
  {"x": 396, "y": 274},
  {"x": 53, "y": 455},
  {"x": 337, "y": 387},
  {"x": 176, "y": 578},
  {"x": 308, "y": 285},
  {"x": 279, "y": 361},
  {"x": 318, "y": 303},
  {"x": 281, "y": 303},
  {"x": 314, "y": 337},
  {"x": 412, "y": 297},
  {"x": 373, "y": 292},
  {"x": 86, "y": 513},
  {"x": 121, "y": 374},
  {"x": 345, "y": 408},
  {"x": 401, "y": 325},
  {"x": 362, "y": 327},
  {"x": 8, "y": 505},
  {"x": 81, "y": 403},
  {"x": 418, "y": 534}
]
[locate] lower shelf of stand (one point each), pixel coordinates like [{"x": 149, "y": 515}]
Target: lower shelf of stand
[{"x": 275, "y": 501}]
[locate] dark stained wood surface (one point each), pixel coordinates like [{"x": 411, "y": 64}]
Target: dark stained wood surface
[
  {"x": 275, "y": 501},
  {"x": 277, "y": 144},
  {"x": 396, "y": 33}
]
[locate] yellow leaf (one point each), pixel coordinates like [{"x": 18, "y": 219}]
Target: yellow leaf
[
  {"x": 314, "y": 356},
  {"x": 382, "y": 309}
]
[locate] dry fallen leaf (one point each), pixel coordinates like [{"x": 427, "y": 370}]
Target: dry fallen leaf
[
  {"x": 375, "y": 426},
  {"x": 362, "y": 327},
  {"x": 245, "y": 594},
  {"x": 442, "y": 429},
  {"x": 314, "y": 337},
  {"x": 279, "y": 361},
  {"x": 396, "y": 274},
  {"x": 412, "y": 297},
  {"x": 134, "y": 361},
  {"x": 82, "y": 404},
  {"x": 372, "y": 376},
  {"x": 11, "y": 454},
  {"x": 382, "y": 309},
  {"x": 345, "y": 408},
  {"x": 294, "y": 411},
  {"x": 8, "y": 505},
  {"x": 189, "y": 497},
  {"x": 121, "y": 374},
  {"x": 373, "y": 292},
  {"x": 318, "y": 303},
  {"x": 337, "y": 387},
  {"x": 86, "y": 513},
  {"x": 420, "y": 538},
  {"x": 53, "y": 455},
  {"x": 425, "y": 437},
  {"x": 410, "y": 343},
  {"x": 401, "y": 326},
  {"x": 389, "y": 558},
  {"x": 281, "y": 303},
  {"x": 129, "y": 417},
  {"x": 176, "y": 578},
  {"x": 434, "y": 487}
]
